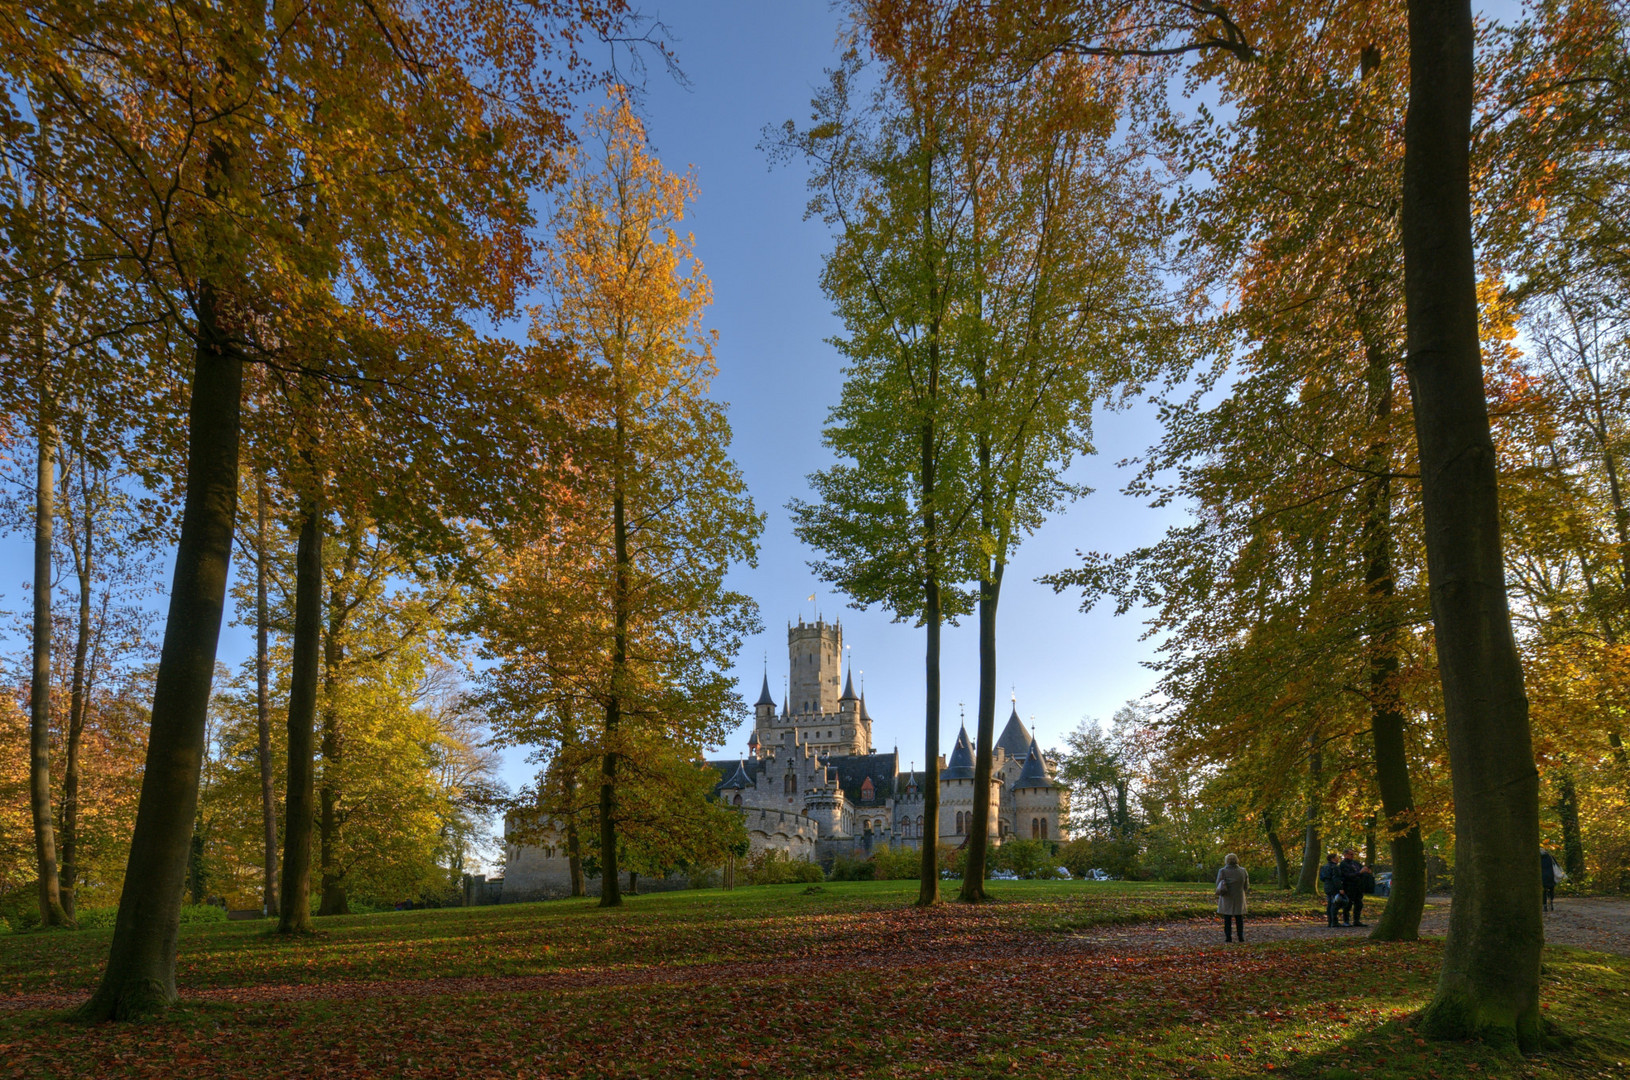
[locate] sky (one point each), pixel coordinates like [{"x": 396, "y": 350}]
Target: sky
[
  {"x": 753, "y": 64},
  {"x": 750, "y": 64}
]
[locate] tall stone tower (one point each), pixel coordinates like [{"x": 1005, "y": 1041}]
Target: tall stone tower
[{"x": 815, "y": 651}]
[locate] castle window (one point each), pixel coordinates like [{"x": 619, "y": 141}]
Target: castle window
[
  {"x": 1044, "y": 828},
  {"x": 959, "y": 823},
  {"x": 919, "y": 825},
  {"x": 867, "y": 792},
  {"x": 737, "y": 800},
  {"x": 790, "y": 785},
  {"x": 1035, "y": 828}
]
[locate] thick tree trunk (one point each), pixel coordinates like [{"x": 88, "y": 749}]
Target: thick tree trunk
[
  {"x": 1307, "y": 880},
  {"x": 39, "y": 692},
  {"x": 1281, "y": 865},
  {"x": 294, "y": 894},
  {"x": 973, "y": 877},
  {"x": 574, "y": 859},
  {"x": 263, "y": 707},
  {"x": 140, "y": 976},
  {"x": 1489, "y": 983}
]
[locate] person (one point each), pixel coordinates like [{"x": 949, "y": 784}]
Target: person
[
  {"x": 1547, "y": 877},
  {"x": 1232, "y": 885},
  {"x": 1330, "y": 881},
  {"x": 1352, "y": 885}
]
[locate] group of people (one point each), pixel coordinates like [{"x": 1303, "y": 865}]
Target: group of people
[{"x": 1346, "y": 881}]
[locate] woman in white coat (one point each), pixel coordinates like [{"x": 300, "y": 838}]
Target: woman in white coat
[{"x": 1232, "y": 885}]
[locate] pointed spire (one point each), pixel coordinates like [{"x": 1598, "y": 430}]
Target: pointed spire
[
  {"x": 864, "y": 715},
  {"x": 960, "y": 767},
  {"x": 1034, "y": 773},
  {"x": 764, "y": 697},
  {"x": 1015, "y": 740},
  {"x": 738, "y": 779},
  {"x": 849, "y": 687}
]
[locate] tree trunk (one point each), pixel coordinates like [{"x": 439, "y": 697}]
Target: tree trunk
[
  {"x": 294, "y": 895},
  {"x": 334, "y": 900},
  {"x": 574, "y": 849},
  {"x": 1489, "y": 983},
  {"x": 928, "y": 892},
  {"x": 140, "y": 976},
  {"x": 1281, "y": 865},
  {"x": 263, "y": 707},
  {"x": 78, "y": 697},
  {"x": 1567, "y": 812},
  {"x": 39, "y": 692},
  {"x": 610, "y": 896},
  {"x": 973, "y": 877},
  {"x": 1307, "y": 881}
]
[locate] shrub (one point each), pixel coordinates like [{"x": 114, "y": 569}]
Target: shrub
[
  {"x": 1116, "y": 857},
  {"x": 775, "y": 867},
  {"x": 849, "y": 868},
  {"x": 897, "y": 864},
  {"x": 201, "y": 913},
  {"x": 5, "y": 927},
  {"x": 705, "y": 879},
  {"x": 95, "y": 918},
  {"x": 1027, "y": 858}
]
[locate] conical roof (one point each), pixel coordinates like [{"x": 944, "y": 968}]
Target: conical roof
[
  {"x": 849, "y": 687},
  {"x": 1015, "y": 739},
  {"x": 786, "y": 710},
  {"x": 1034, "y": 774},
  {"x": 764, "y": 697},
  {"x": 864, "y": 715},
  {"x": 739, "y": 778},
  {"x": 960, "y": 767}
]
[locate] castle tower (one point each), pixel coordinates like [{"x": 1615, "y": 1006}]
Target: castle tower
[{"x": 815, "y": 651}]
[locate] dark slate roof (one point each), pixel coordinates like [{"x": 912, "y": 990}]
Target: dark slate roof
[
  {"x": 786, "y": 707},
  {"x": 764, "y": 697},
  {"x": 960, "y": 767},
  {"x": 752, "y": 737},
  {"x": 849, "y": 687},
  {"x": 726, "y": 770},
  {"x": 1034, "y": 773},
  {"x": 864, "y": 715},
  {"x": 853, "y": 769},
  {"x": 1015, "y": 740},
  {"x": 738, "y": 779}
]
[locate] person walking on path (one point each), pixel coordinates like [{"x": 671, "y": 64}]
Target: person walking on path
[
  {"x": 1352, "y": 885},
  {"x": 1547, "y": 877},
  {"x": 1232, "y": 885},
  {"x": 1330, "y": 881}
]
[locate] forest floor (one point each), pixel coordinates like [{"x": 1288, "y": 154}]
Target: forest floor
[{"x": 837, "y": 980}]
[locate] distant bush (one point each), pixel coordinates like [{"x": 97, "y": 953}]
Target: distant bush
[
  {"x": 1116, "y": 857},
  {"x": 897, "y": 864},
  {"x": 192, "y": 914},
  {"x": 705, "y": 879},
  {"x": 1029, "y": 859},
  {"x": 5, "y": 927},
  {"x": 849, "y": 868},
  {"x": 95, "y": 918},
  {"x": 776, "y": 867}
]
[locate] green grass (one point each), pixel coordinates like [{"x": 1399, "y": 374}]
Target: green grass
[{"x": 781, "y": 981}]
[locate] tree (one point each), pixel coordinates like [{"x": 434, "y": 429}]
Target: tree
[
  {"x": 885, "y": 516},
  {"x": 616, "y": 604},
  {"x": 200, "y": 130},
  {"x": 1489, "y": 984}
]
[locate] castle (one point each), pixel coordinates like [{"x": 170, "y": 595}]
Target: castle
[{"x": 812, "y": 784}]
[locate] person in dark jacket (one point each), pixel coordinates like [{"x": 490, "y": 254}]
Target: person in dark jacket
[
  {"x": 1352, "y": 885},
  {"x": 1547, "y": 878},
  {"x": 1330, "y": 881}
]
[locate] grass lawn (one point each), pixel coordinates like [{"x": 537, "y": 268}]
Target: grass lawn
[{"x": 839, "y": 980}]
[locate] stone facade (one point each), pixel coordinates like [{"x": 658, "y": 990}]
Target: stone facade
[{"x": 813, "y": 757}]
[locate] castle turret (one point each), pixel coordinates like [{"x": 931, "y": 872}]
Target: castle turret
[
  {"x": 815, "y": 650},
  {"x": 764, "y": 707}
]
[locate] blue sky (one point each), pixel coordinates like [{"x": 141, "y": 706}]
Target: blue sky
[{"x": 757, "y": 63}]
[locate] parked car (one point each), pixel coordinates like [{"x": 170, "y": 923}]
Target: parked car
[
  {"x": 1063, "y": 872},
  {"x": 1004, "y": 875},
  {"x": 1383, "y": 884},
  {"x": 1096, "y": 874}
]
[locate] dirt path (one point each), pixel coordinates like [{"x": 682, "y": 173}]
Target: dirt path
[{"x": 1585, "y": 922}]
